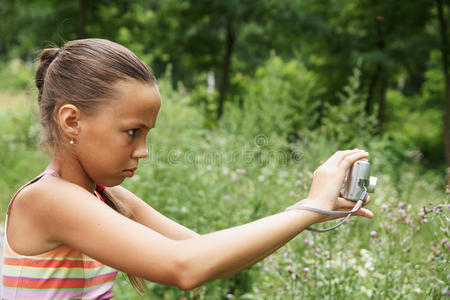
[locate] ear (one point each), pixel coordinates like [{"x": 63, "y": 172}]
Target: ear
[{"x": 68, "y": 117}]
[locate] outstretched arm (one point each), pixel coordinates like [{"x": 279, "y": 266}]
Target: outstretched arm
[
  {"x": 78, "y": 219},
  {"x": 151, "y": 218}
]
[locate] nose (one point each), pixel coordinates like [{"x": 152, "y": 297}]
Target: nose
[{"x": 141, "y": 150}]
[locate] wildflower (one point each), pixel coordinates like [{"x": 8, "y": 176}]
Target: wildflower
[
  {"x": 240, "y": 171},
  {"x": 298, "y": 182},
  {"x": 225, "y": 171},
  {"x": 384, "y": 207},
  {"x": 285, "y": 254},
  {"x": 234, "y": 177},
  {"x": 447, "y": 293},
  {"x": 402, "y": 213},
  {"x": 425, "y": 220},
  {"x": 300, "y": 174},
  {"x": 292, "y": 194},
  {"x": 229, "y": 296},
  {"x": 437, "y": 209},
  {"x": 305, "y": 270},
  {"x": 408, "y": 221},
  {"x": 227, "y": 197},
  {"x": 373, "y": 233},
  {"x": 294, "y": 276},
  {"x": 389, "y": 215},
  {"x": 308, "y": 242},
  {"x": 401, "y": 204}
]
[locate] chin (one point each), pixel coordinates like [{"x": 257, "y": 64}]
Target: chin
[{"x": 113, "y": 182}]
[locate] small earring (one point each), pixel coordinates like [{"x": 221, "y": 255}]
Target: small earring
[{"x": 71, "y": 142}]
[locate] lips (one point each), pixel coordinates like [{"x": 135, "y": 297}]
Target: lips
[{"x": 129, "y": 172}]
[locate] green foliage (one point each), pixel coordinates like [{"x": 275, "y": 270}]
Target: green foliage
[
  {"x": 281, "y": 99},
  {"x": 213, "y": 179},
  {"x": 16, "y": 74},
  {"x": 348, "y": 123}
]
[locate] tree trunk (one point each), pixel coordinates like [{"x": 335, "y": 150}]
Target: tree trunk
[
  {"x": 81, "y": 19},
  {"x": 445, "y": 51},
  {"x": 230, "y": 40},
  {"x": 382, "y": 75}
]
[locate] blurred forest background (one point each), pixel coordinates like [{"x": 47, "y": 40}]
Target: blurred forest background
[{"x": 290, "y": 82}]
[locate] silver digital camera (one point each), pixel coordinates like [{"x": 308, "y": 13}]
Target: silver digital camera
[{"x": 357, "y": 180}]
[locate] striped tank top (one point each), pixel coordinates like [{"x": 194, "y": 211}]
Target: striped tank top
[{"x": 61, "y": 273}]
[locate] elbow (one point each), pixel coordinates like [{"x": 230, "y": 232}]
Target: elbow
[{"x": 187, "y": 275}]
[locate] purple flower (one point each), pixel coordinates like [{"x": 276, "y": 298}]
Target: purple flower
[
  {"x": 373, "y": 233},
  {"x": 292, "y": 194},
  {"x": 298, "y": 182},
  {"x": 384, "y": 207},
  {"x": 306, "y": 270},
  {"x": 389, "y": 215},
  {"x": 447, "y": 293},
  {"x": 402, "y": 213},
  {"x": 229, "y": 296},
  {"x": 408, "y": 221},
  {"x": 286, "y": 254},
  {"x": 401, "y": 204},
  {"x": 240, "y": 171},
  {"x": 300, "y": 175}
]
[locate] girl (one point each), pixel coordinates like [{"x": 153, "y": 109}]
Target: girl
[{"x": 69, "y": 229}]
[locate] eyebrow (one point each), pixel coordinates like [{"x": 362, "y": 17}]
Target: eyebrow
[{"x": 140, "y": 125}]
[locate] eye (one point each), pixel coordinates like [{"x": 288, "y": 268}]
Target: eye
[{"x": 132, "y": 132}]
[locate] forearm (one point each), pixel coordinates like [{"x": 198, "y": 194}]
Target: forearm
[
  {"x": 227, "y": 251},
  {"x": 252, "y": 262}
]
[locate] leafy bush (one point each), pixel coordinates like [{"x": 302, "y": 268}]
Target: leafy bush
[{"x": 246, "y": 169}]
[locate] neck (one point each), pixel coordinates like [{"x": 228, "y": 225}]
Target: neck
[{"x": 70, "y": 169}]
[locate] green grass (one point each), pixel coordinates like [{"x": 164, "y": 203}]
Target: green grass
[{"x": 213, "y": 179}]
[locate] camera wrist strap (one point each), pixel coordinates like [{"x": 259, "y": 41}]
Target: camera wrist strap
[{"x": 326, "y": 212}]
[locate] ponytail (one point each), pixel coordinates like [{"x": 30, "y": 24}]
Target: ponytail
[{"x": 137, "y": 282}]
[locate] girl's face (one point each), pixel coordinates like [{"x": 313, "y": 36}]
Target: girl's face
[{"x": 111, "y": 141}]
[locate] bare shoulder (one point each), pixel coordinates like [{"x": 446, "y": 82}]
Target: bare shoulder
[
  {"x": 34, "y": 210},
  {"x": 53, "y": 212}
]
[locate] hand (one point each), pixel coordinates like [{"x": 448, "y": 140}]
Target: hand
[{"x": 328, "y": 180}]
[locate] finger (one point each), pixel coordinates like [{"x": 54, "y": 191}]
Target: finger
[
  {"x": 343, "y": 204},
  {"x": 350, "y": 159},
  {"x": 367, "y": 200},
  {"x": 337, "y": 157},
  {"x": 363, "y": 212}
]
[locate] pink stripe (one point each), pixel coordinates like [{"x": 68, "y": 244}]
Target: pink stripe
[
  {"x": 101, "y": 292},
  {"x": 57, "y": 279},
  {"x": 108, "y": 295}
]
